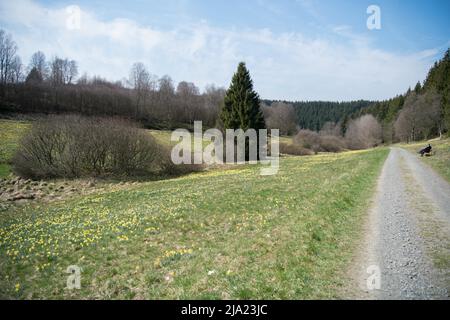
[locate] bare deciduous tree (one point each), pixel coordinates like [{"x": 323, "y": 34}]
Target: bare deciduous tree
[
  {"x": 331, "y": 129},
  {"x": 364, "y": 132},
  {"x": 16, "y": 71},
  {"x": 39, "y": 62},
  {"x": 188, "y": 94},
  {"x": 420, "y": 117},
  {"x": 140, "y": 81},
  {"x": 282, "y": 116},
  {"x": 213, "y": 101},
  {"x": 8, "y": 49},
  {"x": 405, "y": 125},
  {"x": 63, "y": 71},
  {"x": 433, "y": 113},
  {"x": 71, "y": 70},
  {"x": 166, "y": 97},
  {"x": 56, "y": 72}
]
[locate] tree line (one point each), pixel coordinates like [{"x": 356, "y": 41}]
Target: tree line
[
  {"x": 54, "y": 86},
  {"x": 422, "y": 112},
  {"x": 313, "y": 115}
]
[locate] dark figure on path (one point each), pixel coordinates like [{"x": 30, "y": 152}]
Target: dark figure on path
[{"x": 426, "y": 150}]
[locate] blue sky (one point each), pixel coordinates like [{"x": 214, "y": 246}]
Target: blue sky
[{"x": 295, "y": 49}]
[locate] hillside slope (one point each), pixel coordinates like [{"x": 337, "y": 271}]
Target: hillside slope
[{"x": 218, "y": 234}]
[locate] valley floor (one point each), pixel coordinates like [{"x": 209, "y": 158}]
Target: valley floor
[
  {"x": 230, "y": 233},
  {"x": 219, "y": 234}
]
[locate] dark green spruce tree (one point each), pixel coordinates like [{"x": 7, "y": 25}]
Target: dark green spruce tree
[
  {"x": 241, "y": 105},
  {"x": 241, "y": 109},
  {"x": 418, "y": 87}
]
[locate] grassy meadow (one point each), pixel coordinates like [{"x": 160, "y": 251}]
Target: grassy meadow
[
  {"x": 10, "y": 133},
  {"x": 218, "y": 234},
  {"x": 163, "y": 137}
]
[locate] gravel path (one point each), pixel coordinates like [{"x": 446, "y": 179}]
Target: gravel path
[
  {"x": 410, "y": 201},
  {"x": 434, "y": 186}
]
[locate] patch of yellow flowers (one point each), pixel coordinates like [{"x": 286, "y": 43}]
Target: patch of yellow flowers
[
  {"x": 54, "y": 231},
  {"x": 170, "y": 254}
]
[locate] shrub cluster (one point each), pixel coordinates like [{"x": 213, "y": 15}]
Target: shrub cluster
[
  {"x": 75, "y": 146},
  {"x": 319, "y": 143},
  {"x": 294, "y": 150}
]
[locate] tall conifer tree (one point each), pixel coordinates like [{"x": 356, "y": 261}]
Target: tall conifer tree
[{"x": 241, "y": 105}]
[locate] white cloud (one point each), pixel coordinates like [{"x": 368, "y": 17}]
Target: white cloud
[{"x": 284, "y": 65}]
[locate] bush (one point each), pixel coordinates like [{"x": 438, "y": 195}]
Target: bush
[
  {"x": 319, "y": 143},
  {"x": 294, "y": 150},
  {"x": 167, "y": 167},
  {"x": 332, "y": 143},
  {"x": 308, "y": 139},
  {"x": 282, "y": 116},
  {"x": 364, "y": 132},
  {"x": 75, "y": 146}
]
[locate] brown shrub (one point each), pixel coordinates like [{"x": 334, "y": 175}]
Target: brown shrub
[
  {"x": 282, "y": 116},
  {"x": 295, "y": 150},
  {"x": 167, "y": 167},
  {"x": 364, "y": 132},
  {"x": 319, "y": 143},
  {"x": 308, "y": 139},
  {"x": 332, "y": 144},
  {"x": 74, "y": 146}
]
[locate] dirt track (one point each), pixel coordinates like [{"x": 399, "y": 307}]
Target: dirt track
[{"x": 407, "y": 234}]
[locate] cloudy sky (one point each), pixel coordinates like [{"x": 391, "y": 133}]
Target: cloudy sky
[{"x": 295, "y": 49}]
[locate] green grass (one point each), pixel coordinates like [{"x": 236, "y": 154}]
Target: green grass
[
  {"x": 215, "y": 235},
  {"x": 10, "y": 133},
  {"x": 5, "y": 170},
  {"x": 440, "y": 161},
  {"x": 163, "y": 137},
  {"x": 286, "y": 139}
]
